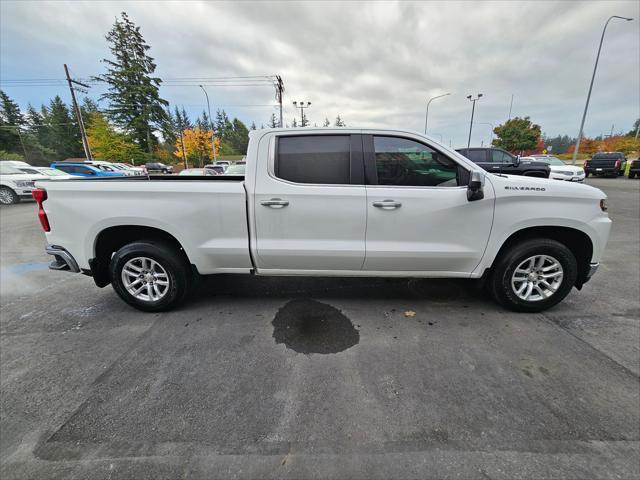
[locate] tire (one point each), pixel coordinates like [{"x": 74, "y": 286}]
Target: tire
[
  {"x": 8, "y": 196},
  {"x": 502, "y": 283},
  {"x": 137, "y": 257}
]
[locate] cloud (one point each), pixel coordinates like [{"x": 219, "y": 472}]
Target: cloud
[{"x": 375, "y": 64}]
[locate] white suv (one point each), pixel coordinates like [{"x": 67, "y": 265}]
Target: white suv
[{"x": 15, "y": 185}]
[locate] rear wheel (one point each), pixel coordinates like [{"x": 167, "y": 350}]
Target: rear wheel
[
  {"x": 150, "y": 276},
  {"x": 533, "y": 275},
  {"x": 8, "y": 196}
]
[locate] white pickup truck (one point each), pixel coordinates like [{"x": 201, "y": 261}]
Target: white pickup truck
[{"x": 330, "y": 202}]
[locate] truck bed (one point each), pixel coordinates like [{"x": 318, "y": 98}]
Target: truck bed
[{"x": 206, "y": 215}]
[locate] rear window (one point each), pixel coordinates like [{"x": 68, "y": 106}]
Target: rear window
[
  {"x": 322, "y": 159},
  {"x": 476, "y": 156}
]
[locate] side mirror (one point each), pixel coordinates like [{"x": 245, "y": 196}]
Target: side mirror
[{"x": 475, "y": 190}]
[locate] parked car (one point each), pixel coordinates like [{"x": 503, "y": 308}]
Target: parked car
[
  {"x": 15, "y": 184},
  {"x": 223, "y": 163},
  {"x": 82, "y": 169},
  {"x": 559, "y": 169},
  {"x": 606, "y": 163},
  {"x": 158, "y": 167},
  {"x": 52, "y": 173},
  {"x": 14, "y": 163},
  {"x": 634, "y": 168},
  {"x": 217, "y": 169},
  {"x": 235, "y": 169},
  {"x": 197, "y": 171},
  {"x": 496, "y": 160},
  {"x": 133, "y": 169},
  {"x": 339, "y": 202}
]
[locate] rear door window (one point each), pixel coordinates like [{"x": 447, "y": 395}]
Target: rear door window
[
  {"x": 477, "y": 156},
  {"x": 318, "y": 159}
]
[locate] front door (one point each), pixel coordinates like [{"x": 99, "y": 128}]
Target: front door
[
  {"x": 418, "y": 215},
  {"x": 310, "y": 208}
]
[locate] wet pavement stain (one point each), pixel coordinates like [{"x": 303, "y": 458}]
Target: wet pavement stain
[{"x": 307, "y": 326}]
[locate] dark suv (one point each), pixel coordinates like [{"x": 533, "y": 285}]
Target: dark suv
[
  {"x": 634, "y": 168},
  {"x": 159, "y": 167},
  {"x": 606, "y": 163},
  {"x": 496, "y": 160}
]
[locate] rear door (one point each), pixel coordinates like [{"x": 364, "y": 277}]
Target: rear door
[
  {"x": 418, "y": 215},
  {"x": 310, "y": 205}
]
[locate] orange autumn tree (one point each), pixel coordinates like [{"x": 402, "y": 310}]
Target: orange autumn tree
[{"x": 196, "y": 147}]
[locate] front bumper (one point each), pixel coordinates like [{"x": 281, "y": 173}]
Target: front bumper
[
  {"x": 63, "y": 260},
  {"x": 593, "y": 268}
]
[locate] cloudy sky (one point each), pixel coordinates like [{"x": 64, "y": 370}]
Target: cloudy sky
[{"x": 374, "y": 63}]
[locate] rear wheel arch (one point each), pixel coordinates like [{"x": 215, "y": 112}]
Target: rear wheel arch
[
  {"x": 111, "y": 239},
  {"x": 578, "y": 242}
]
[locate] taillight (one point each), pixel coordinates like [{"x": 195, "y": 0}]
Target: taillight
[
  {"x": 618, "y": 164},
  {"x": 40, "y": 195}
]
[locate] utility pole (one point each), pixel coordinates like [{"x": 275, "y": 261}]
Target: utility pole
[
  {"x": 593, "y": 76},
  {"x": 83, "y": 133},
  {"x": 302, "y": 106},
  {"x": 279, "y": 91},
  {"x": 473, "y": 108},
  {"x": 510, "y": 106}
]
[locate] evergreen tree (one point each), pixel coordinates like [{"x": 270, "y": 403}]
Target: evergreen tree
[
  {"x": 203, "y": 123},
  {"x": 253, "y": 126},
  {"x": 238, "y": 138},
  {"x": 222, "y": 124},
  {"x": 11, "y": 120},
  {"x": 326, "y": 122},
  {"x": 273, "y": 122},
  {"x": 62, "y": 133},
  {"x": 35, "y": 138},
  {"x": 134, "y": 99},
  {"x": 169, "y": 129},
  {"x": 294, "y": 123},
  {"x": 340, "y": 122}
]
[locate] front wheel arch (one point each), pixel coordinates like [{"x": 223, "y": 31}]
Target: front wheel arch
[{"x": 575, "y": 240}]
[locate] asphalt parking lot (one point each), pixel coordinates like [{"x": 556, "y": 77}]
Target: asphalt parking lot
[{"x": 318, "y": 378}]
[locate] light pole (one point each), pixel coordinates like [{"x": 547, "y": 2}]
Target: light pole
[
  {"x": 302, "y": 106},
  {"x": 426, "y": 116},
  {"x": 473, "y": 108},
  {"x": 492, "y": 127},
  {"x": 593, "y": 76},
  {"x": 213, "y": 135}
]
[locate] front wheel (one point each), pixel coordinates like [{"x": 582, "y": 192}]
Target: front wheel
[
  {"x": 533, "y": 275},
  {"x": 8, "y": 196},
  {"x": 150, "y": 276}
]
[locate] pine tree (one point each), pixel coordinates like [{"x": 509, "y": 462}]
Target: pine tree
[
  {"x": 63, "y": 135},
  {"x": 253, "y": 126},
  {"x": 11, "y": 120},
  {"x": 340, "y": 122},
  {"x": 203, "y": 123},
  {"x": 273, "y": 122},
  {"x": 294, "y": 123},
  {"x": 326, "y": 122},
  {"x": 238, "y": 138},
  {"x": 134, "y": 99}
]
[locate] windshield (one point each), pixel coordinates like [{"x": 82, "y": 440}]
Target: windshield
[
  {"x": 235, "y": 170},
  {"x": 7, "y": 170},
  {"x": 52, "y": 172},
  {"x": 550, "y": 160}
]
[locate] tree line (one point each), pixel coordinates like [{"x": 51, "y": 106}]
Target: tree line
[{"x": 136, "y": 126}]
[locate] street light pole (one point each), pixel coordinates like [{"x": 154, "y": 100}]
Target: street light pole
[
  {"x": 426, "y": 116},
  {"x": 473, "y": 108},
  {"x": 492, "y": 127},
  {"x": 593, "y": 76},
  {"x": 213, "y": 135},
  {"x": 302, "y": 106}
]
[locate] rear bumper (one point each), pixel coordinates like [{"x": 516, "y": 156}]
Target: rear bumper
[
  {"x": 593, "y": 268},
  {"x": 63, "y": 260}
]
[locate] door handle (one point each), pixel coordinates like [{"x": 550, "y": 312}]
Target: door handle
[
  {"x": 387, "y": 204},
  {"x": 275, "y": 203}
]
